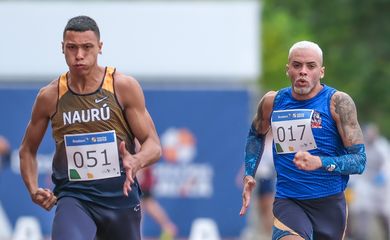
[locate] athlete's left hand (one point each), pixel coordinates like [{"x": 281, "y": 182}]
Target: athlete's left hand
[
  {"x": 306, "y": 161},
  {"x": 131, "y": 167}
]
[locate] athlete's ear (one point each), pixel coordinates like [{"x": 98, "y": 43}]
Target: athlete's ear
[
  {"x": 100, "y": 47},
  {"x": 62, "y": 47},
  {"x": 287, "y": 69}
]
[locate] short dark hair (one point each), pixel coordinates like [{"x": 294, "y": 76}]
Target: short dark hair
[{"x": 82, "y": 24}]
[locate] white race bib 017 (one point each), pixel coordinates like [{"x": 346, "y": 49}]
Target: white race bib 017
[
  {"x": 291, "y": 130},
  {"x": 92, "y": 156}
]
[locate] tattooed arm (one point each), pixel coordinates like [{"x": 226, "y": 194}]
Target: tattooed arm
[
  {"x": 255, "y": 146},
  {"x": 256, "y": 136},
  {"x": 262, "y": 118},
  {"x": 344, "y": 113}
]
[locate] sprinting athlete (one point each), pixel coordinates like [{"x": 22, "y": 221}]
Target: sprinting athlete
[
  {"x": 318, "y": 143},
  {"x": 95, "y": 113}
]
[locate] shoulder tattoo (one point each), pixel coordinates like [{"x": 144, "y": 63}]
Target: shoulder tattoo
[
  {"x": 259, "y": 116},
  {"x": 346, "y": 110},
  {"x": 264, "y": 108}
]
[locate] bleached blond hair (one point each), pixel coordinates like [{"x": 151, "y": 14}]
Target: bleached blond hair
[{"x": 306, "y": 45}]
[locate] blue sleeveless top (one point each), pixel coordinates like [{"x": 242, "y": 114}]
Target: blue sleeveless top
[{"x": 301, "y": 184}]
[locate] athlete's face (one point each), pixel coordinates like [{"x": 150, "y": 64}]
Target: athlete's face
[
  {"x": 81, "y": 50},
  {"x": 305, "y": 70}
]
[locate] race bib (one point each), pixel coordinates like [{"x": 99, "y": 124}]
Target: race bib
[
  {"x": 92, "y": 156},
  {"x": 291, "y": 130}
]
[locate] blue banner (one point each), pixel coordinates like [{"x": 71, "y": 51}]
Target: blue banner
[{"x": 203, "y": 136}]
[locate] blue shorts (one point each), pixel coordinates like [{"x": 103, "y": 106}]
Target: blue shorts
[
  {"x": 321, "y": 218},
  {"x": 80, "y": 220}
]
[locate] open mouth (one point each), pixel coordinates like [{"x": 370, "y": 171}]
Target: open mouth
[{"x": 300, "y": 83}]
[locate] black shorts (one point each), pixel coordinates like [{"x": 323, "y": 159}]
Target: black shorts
[
  {"x": 322, "y": 218},
  {"x": 80, "y": 220},
  {"x": 146, "y": 194}
]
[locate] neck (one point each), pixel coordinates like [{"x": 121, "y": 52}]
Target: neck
[{"x": 85, "y": 83}]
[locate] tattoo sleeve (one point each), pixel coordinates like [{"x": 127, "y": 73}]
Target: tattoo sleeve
[
  {"x": 349, "y": 128},
  {"x": 253, "y": 151},
  {"x": 354, "y": 161},
  {"x": 256, "y": 136}
]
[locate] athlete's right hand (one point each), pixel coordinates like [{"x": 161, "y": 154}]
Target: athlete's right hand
[
  {"x": 44, "y": 198},
  {"x": 249, "y": 185}
]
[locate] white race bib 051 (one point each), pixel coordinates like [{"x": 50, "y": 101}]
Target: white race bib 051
[
  {"x": 92, "y": 156},
  {"x": 291, "y": 130}
]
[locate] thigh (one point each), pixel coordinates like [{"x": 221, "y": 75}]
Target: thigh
[
  {"x": 71, "y": 221},
  {"x": 329, "y": 217},
  {"x": 119, "y": 224},
  {"x": 290, "y": 219}
]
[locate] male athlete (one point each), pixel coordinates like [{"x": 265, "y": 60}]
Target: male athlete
[
  {"x": 96, "y": 113},
  {"x": 318, "y": 143}
]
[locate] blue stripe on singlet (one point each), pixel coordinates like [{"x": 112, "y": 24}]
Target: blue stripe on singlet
[{"x": 89, "y": 138}]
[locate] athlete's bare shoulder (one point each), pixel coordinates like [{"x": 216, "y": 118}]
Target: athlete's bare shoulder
[
  {"x": 269, "y": 98},
  {"x": 264, "y": 110},
  {"x": 266, "y": 103},
  {"x": 124, "y": 80},
  {"x": 128, "y": 89},
  {"x": 342, "y": 106},
  {"x": 344, "y": 112},
  {"x": 46, "y": 100},
  {"x": 49, "y": 91}
]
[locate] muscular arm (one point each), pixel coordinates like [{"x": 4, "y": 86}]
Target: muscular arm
[
  {"x": 256, "y": 136},
  {"x": 255, "y": 146},
  {"x": 344, "y": 113},
  {"x": 43, "y": 107},
  {"x": 131, "y": 98},
  {"x": 154, "y": 139}
]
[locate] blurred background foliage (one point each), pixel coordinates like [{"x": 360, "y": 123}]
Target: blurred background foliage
[{"x": 354, "y": 36}]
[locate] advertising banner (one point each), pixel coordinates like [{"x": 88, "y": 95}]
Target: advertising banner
[{"x": 203, "y": 136}]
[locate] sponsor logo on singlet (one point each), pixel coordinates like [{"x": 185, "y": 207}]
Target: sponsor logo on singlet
[{"x": 87, "y": 115}]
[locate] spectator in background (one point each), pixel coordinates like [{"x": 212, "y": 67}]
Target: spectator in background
[
  {"x": 5, "y": 152},
  {"x": 370, "y": 199},
  {"x": 152, "y": 206},
  {"x": 265, "y": 176},
  {"x": 261, "y": 216},
  {"x": 148, "y": 202}
]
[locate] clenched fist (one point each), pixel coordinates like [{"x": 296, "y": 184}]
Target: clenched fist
[
  {"x": 306, "y": 161},
  {"x": 44, "y": 198}
]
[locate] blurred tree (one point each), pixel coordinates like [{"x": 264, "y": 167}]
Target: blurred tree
[
  {"x": 354, "y": 37},
  {"x": 278, "y": 34}
]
